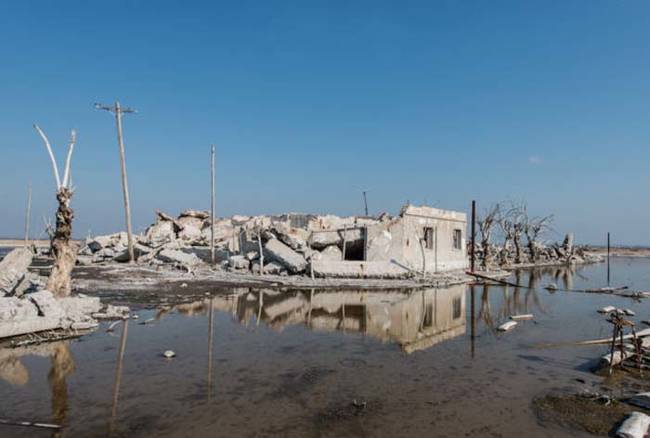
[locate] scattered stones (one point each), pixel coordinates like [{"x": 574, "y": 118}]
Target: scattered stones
[
  {"x": 176, "y": 256},
  {"x": 169, "y": 354},
  {"x": 551, "y": 286},
  {"x": 239, "y": 262}
]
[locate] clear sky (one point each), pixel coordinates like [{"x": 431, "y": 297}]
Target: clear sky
[{"x": 309, "y": 103}]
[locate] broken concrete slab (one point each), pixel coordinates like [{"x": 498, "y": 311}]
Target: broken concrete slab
[
  {"x": 113, "y": 312},
  {"x": 271, "y": 268},
  {"x": 13, "y": 268},
  {"x": 285, "y": 256},
  {"x": 332, "y": 253},
  {"x": 295, "y": 238},
  {"x": 239, "y": 262},
  {"x": 160, "y": 233},
  {"x": 359, "y": 269},
  {"x": 138, "y": 251},
  {"x": 177, "y": 256}
]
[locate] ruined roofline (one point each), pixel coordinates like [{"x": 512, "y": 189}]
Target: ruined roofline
[{"x": 433, "y": 213}]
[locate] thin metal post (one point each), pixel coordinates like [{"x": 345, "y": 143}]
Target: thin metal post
[
  {"x": 608, "y": 250},
  {"x": 28, "y": 213},
  {"x": 365, "y": 201},
  {"x": 473, "y": 247},
  {"x": 212, "y": 205}
]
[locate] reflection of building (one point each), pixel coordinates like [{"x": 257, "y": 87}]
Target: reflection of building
[{"x": 415, "y": 320}]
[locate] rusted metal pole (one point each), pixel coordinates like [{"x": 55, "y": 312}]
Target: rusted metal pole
[
  {"x": 473, "y": 247},
  {"x": 212, "y": 205}
]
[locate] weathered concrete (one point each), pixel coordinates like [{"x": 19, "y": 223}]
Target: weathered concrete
[
  {"x": 160, "y": 233},
  {"x": 239, "y": 262},
  {"x": 361, "y": 269},
  {"x": 332, "y": 253},
  {"x": 177, "y": 256},
  {"x": 13, "y": 269},
  {"x": 281, "y": 253},
  {"x": 295, "y": 238}
]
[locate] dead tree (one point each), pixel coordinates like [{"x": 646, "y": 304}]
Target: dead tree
[
  {"x": 485, "y": 227},
  {"x": 64, "y": 250},
  {"x": 533, "y": 228},
  {"x": 506, "y": 221},
  {"x": 518, "y": 224}
]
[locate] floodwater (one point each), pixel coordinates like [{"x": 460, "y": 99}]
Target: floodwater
[{"x": 313, "y": 363}]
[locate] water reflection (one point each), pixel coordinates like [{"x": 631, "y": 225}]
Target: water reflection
[
  {"x": 414, "y": 320},
  {"x": 13, "y": 371}
]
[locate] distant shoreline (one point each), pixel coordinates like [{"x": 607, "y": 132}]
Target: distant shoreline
[{"x": 14, "y": 243}]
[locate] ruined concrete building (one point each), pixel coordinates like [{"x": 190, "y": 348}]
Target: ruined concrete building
[{"x": 418, "y": 241}]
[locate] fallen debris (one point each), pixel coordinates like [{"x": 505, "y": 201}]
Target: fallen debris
[
  {"x": 641, "y": 400},
  {"x": 522, "y": 317},
  {"x": 634, "y": 426},
  {"x": 13, "y": 268},
  {"x": 169, "y": 354},
  {"x": 607, "y": 309},
  {"x": 506, "y": 326}
]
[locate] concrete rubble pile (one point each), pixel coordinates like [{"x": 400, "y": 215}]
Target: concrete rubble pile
[
  {"x": 289, "y": 242},
  {"x": 25, "y": 307}
]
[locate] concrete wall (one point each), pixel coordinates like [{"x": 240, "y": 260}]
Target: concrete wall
[{"x": 399, "y": 240}]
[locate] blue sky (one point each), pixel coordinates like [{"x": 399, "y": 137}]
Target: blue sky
[{"x": 309, "y": 103}]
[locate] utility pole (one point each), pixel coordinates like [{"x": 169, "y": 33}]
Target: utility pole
[
  {"x": 365, "y": 201},
  {"x": 28, "y": 213},
  {"x": 212, "y": 206},
  {"x": 118, "y": 111}
]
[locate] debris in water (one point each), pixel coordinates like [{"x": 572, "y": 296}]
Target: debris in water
[
  {"x": 148, "y": 321},
  {"x": 607, "y": 309},
  {"x": 169, "y": 354},
  {"x": 522, "y": 317},
  {"x": 112, "y": 326},
  {"x": 634, "y": 426},
  {"x": 135, "y": 316},
  {"x": 507, "y": 326},
  {"x": 629, "y": 312},
  {"x": 551, "y": 286}
]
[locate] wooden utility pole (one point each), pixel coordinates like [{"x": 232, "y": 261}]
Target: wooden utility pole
[
  {"x": 212, "y": 205},
  {"x": 28, "y": 213},
  {"x": 473, "y": 247},
  {"x": 118, "y": 111}
]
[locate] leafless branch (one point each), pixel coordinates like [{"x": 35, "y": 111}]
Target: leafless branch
[
  {"x": 67, "y": 177},
  {"x": 49, "y": 151}
]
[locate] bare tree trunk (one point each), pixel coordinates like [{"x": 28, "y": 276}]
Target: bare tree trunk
[
  {"x": 517, "y": 242},
  {"x": 64, "y": 250}
]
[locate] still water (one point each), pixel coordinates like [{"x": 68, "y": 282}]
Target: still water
[{"x": 314, "y": 363}]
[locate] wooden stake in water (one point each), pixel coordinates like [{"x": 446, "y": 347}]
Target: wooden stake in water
[
  {"x": 28, "y": 213},
  {"x": 212, "y": 205}
]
